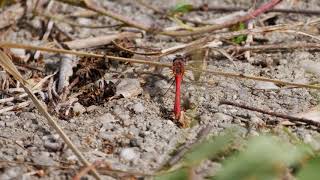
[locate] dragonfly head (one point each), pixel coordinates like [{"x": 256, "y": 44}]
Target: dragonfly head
[{"x": 178, "y": 65}]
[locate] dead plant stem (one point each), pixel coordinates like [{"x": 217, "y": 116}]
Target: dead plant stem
[
  {"x": 290, "y": 118},
  {"x": 169, "y": 65}
]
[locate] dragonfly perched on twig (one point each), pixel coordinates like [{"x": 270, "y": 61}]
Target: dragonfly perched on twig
[{"x": 179, "y": 66}]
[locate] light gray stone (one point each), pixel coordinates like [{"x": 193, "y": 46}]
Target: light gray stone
[
  {"x": 138, "y": 108},
  {"x": 128, "y": 154}
]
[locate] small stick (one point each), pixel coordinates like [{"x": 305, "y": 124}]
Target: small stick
[
  {"x": 33, "y": 164},
  {"x": 243, "y": 76},
  {"x": 98, "y": 41},
  {"x": 283, "y": 116},
  {"x": 72, "y": 23},
  {"x": 16, "y": 106},
  {"x": 48, "y": 30},
  {"x": 135, "y": 52},
  {"x": 4, "y": 100},
  {"x": 296, "y": 45},
  {"x": 249, "y": 40},
  {"x": 281, "y": 10}
]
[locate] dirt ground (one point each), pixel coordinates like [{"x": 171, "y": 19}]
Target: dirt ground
[{"x": 136, "y": 133}]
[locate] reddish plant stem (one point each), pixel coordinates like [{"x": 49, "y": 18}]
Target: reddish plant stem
[{"x": 265, "y": 8}]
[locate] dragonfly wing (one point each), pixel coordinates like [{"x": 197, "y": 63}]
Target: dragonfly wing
[{"x": 199, "y": 62}]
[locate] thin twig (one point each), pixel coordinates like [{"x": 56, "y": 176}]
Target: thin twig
[
  {"x": 283, "y": 116},
  {"x": 243, "y": 76},
  {"x": 33, "y": 164},
  {"x": 16, "y": 106},
  {"x": 281, "y": 10},
  {"x": 135, "y": 52},
  {"x": 169, "y": 65},
  {"x": 277, "y": 47},
  {"x": 73, "y": 23},
  {"x": 98, "y": 41},
  {"x": 10, "y": 99}
]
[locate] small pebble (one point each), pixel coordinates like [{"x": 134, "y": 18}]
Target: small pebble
[
  {"x": 92, "y": 108},
  {"x": 11, "y": 173},
  {"x": 52, "y": 146},
  {"x": 2, "y": 124},
  {"x": 256, "y": 121},
  {"x": 222, "y": 117},
  {"x": 138, "y": 108},
  {"x": 129, "y": 88},
  {"x": 43, "y": 159},
  {"x": 106, "y": 120},
  {"x": 27, "y": 115},
  {"x": 18, "y": 52},
  {"x": 265, "y": 85},
  {"x": 311, "y": 67},
  {"x": 128, "y": 154},
  {"x": 78, "y": 108}
]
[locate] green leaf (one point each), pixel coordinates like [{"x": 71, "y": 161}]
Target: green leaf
[
  {"x": 208, "y": 149},
  {"x": 180, "y": 174},
  {"x": 310, "y": 170},
  {"x": 265, "y": 158},
  {"x": 182, "y": 8},
  {"x": 241, "y": 38}
]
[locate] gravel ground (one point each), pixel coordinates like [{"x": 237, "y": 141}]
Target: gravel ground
[{"x": 135, "y": 133}]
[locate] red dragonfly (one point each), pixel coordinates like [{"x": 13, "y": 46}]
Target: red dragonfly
[{"x": 178, "y": 69}]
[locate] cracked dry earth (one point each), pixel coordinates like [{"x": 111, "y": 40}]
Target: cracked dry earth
[{"x": 135, "y": 133}]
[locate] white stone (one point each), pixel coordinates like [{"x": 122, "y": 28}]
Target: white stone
[
  {"x": 129, "y": 88},
  {"x": 128, "y": 154},
  {"x": 265, "y": 85},
  {"x": 311, "y": 67},
  {"x": 138, "y": 108},
  {"x": 78, "y": 108}
]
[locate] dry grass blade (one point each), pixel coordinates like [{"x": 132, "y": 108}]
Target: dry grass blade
[
  {"x": 98, "y": 41},
  {"x": 16, "y": 106},
  {"x": 81, "y": 53},
  {"x": 243, "y": 76},
  {"x": 7, "y": 64}
]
